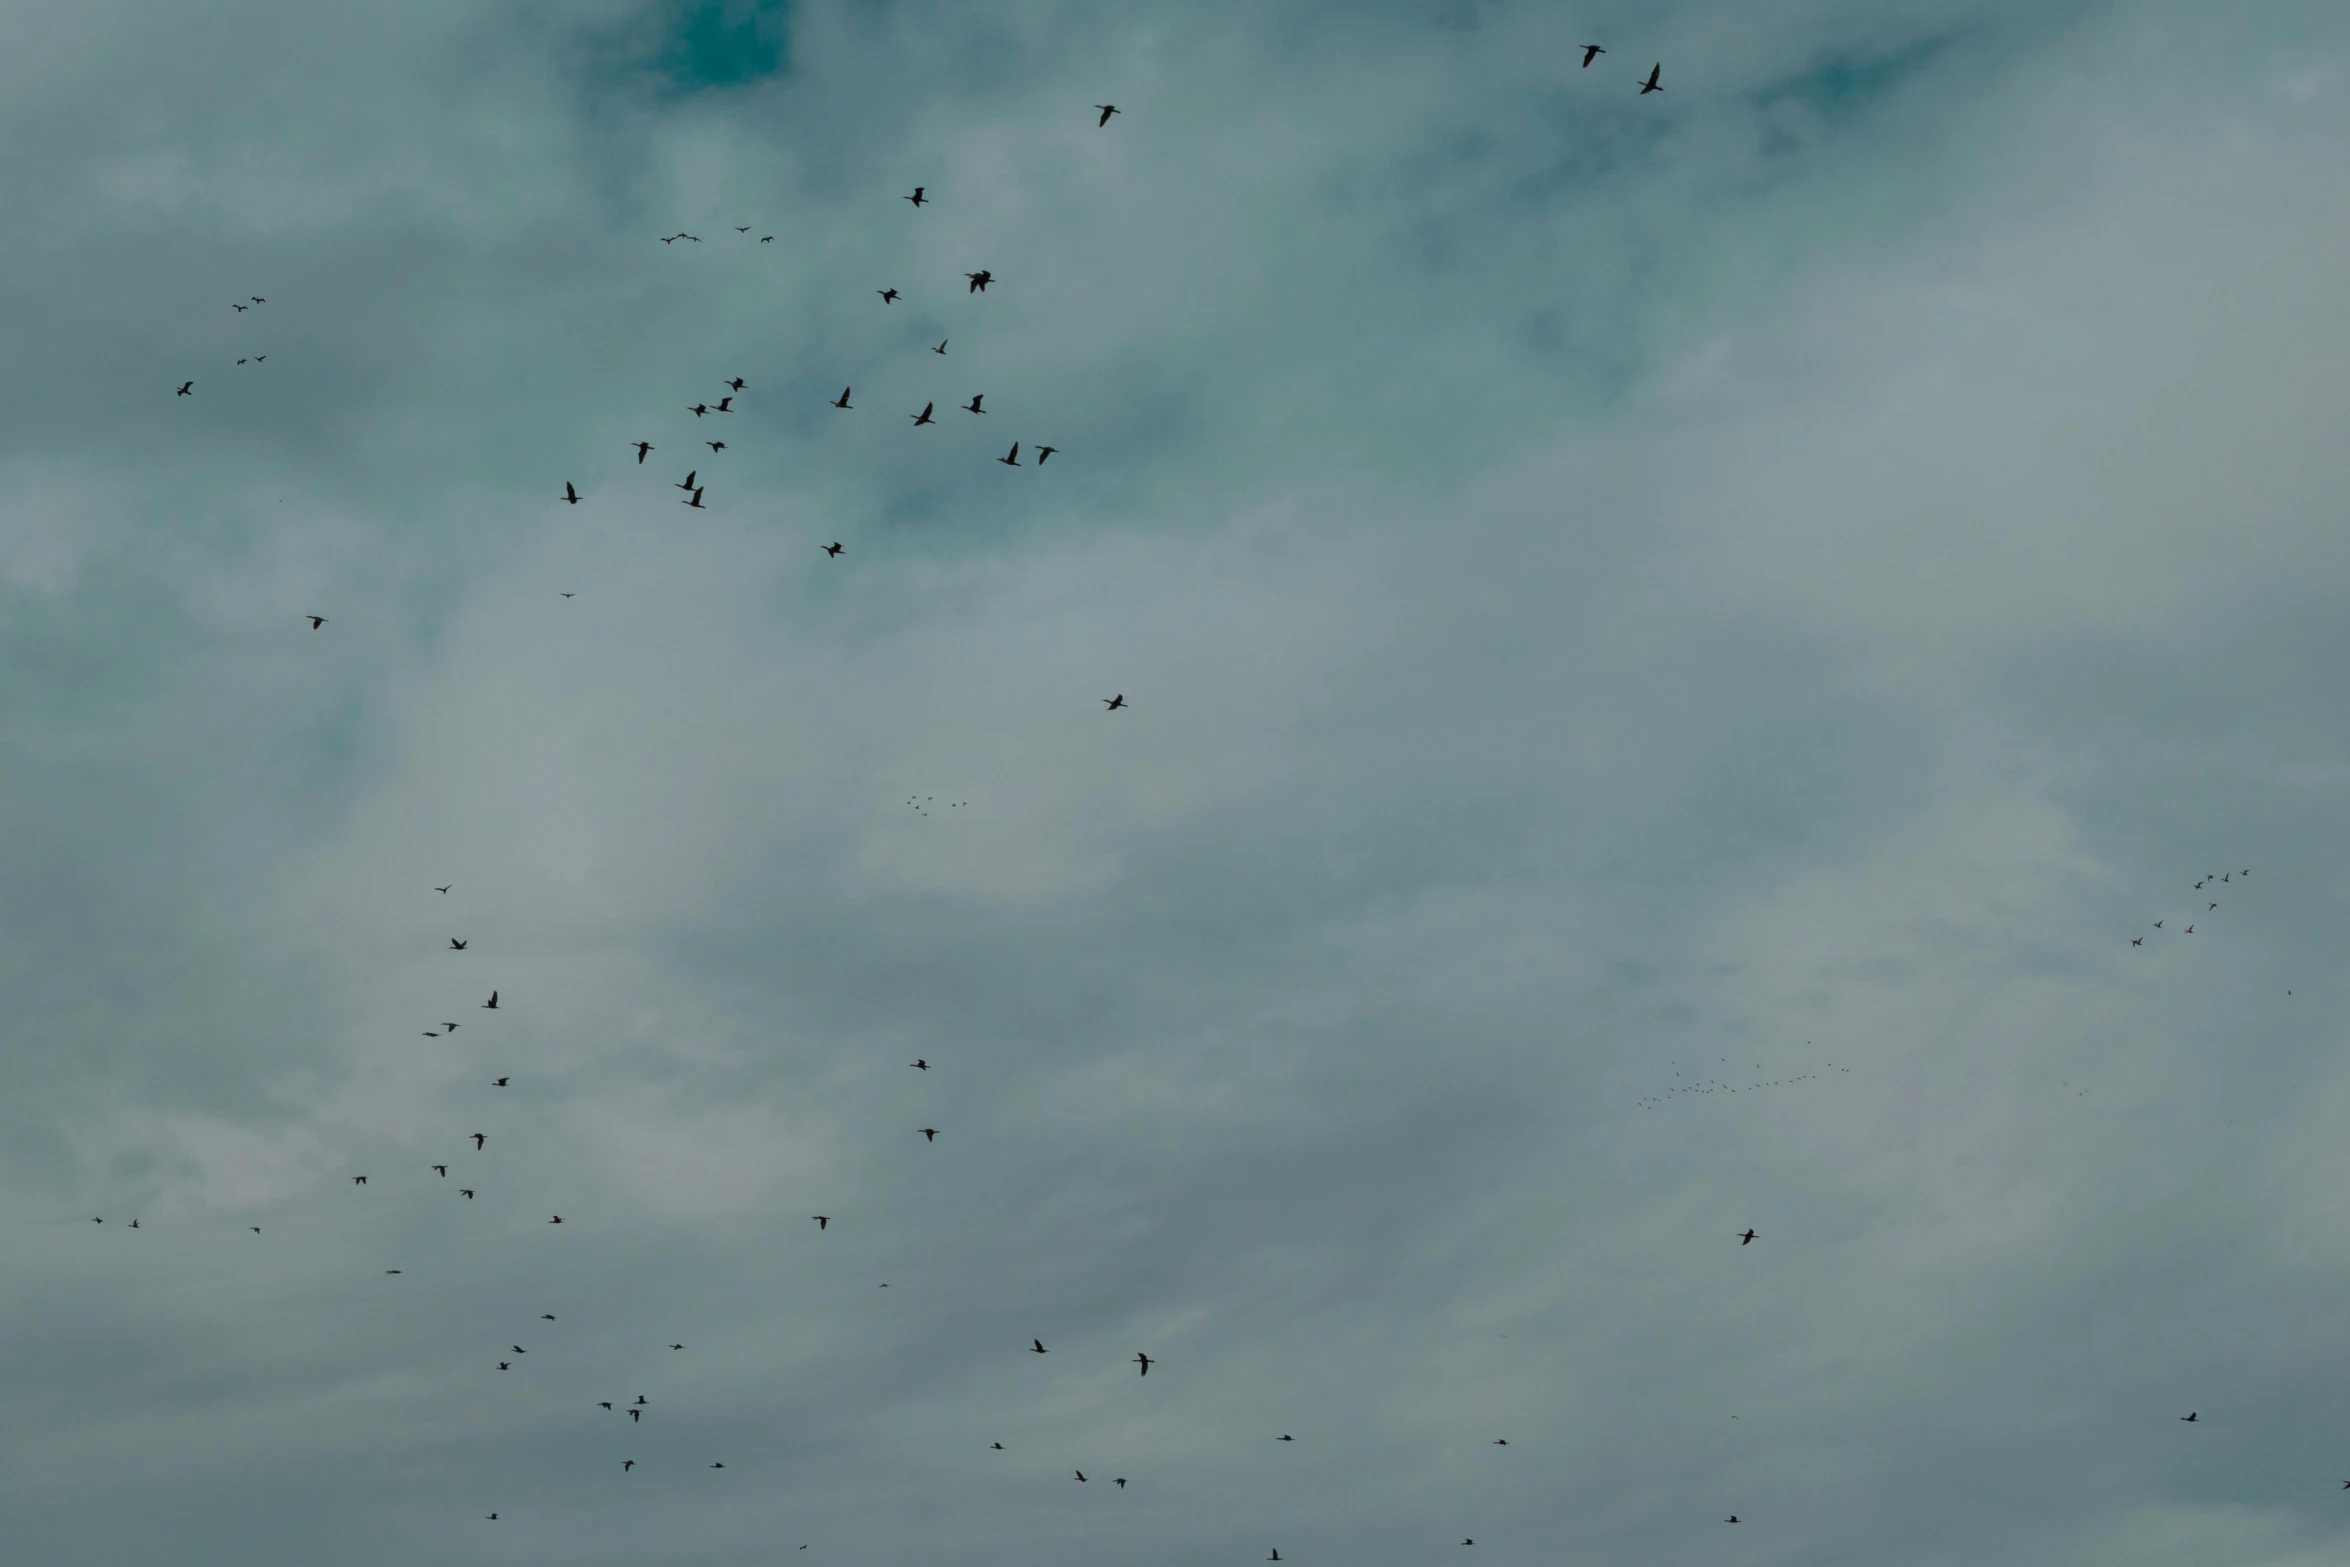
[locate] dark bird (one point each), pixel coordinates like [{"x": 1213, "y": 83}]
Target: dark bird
[
  {"x": 184, "y": 387},
  {"x": 626, "y": 1464},
  {"x": 257, "y": 299},
  {"x": 2189, "y": 931},
  {"x": 1468, "y": 1542},
  {"x": 716, "y": 446},
  {"x": 979, "y": 280},
  {"x": 823, "y": 1220},
  {"x": 640, "y": 1398},
  {"x": 2137, "y": 941},
  {"x": 929, "y": 1134},
  {"x": 135, "y": 1225},
  {"x": 240, "y": 307},
  {"x": 1039, "y": 1343},
  {"x": 1591, "y": 52},
  {"x": 2189, "y": 1418},
  {"x": 1651, "y": 85},
  {"x": 942, "y": 345},
  {"x": 505, "y": 1365},
  {"x": 1042, "y": 452},
  {"x": 1113, "y": 703},
  {"x": 689, "y": 481},
  {"x": 493, "y": 1518},
  {"x": 642, "y": 447},
  {"x": 465, "y": 1192},
  {"x": 519, "y": 1350},
  {"x": 491, "y": 1005},
  {"x": 769, "y": 239},
  {"x": 1145, "y": 1362},
  {"x": 889, "y": 296},
  {"x": 1109, "y": 109},
  {"x": 1276, "y": 1556},
  {"x": 358, "y": 1180},
  {"x": 478, "y": 1140},
  {"x": 441, "y": 1170},
  {"x": 1081, "y": 1476},
  {"x": 557, "y": 1219},
  {"x": 922, "y": 1065},
  {"x": 546, "y": 1316},
  {"x": 833, "y": 548},
  {"x": 2158, "y": 924},
  {"x": 1733, "y": 1518},
  {"x": 843, "y": 400},
  {"x": 315, "y": 621},
  {"x": 2213, "y": 906},
  {"x": 999, "y": 1447},
  {"x": 718, "y": 1466},
  {"x": 671, "y": 239},
  {"x": 677, "y": 1346},
  {"x": 1121, "y": 1482},
  {"x": 636, "y": 1414},
  {"x": 743, "y": 229},
  {"x": 1011, "y": 459},
  {"x": 570, "y": 495},
  {"x": 923, "y": 417},
  {"x": 455, "y": 945},
  {"x": 695, "y": 501},
  {"x": 240, "y": 361},
  {"x": 724, "y": 405},
  {"x": 1501, "y": 1441},
  {"x": 501, "y": 1082},
  {"x": 972, "y": 407},
  {"x": 737, "y": 384},
  {"x": 698, "y": 409},
  {"x": 604, "y": 1404},
  {"x": 1285, "y": 1438},
  {"x": 444, "y": 889},
  {"x": 1746, "y": 1239},
  {"x": 917, "y": 197}
]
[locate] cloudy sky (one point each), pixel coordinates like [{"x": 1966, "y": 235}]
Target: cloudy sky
[{"x": 1675, "y": 647}]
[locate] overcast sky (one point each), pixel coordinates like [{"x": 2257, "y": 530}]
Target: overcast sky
[{"x": 1675, "y": 645}]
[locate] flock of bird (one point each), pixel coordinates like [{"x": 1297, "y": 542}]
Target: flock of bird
[{"x": 977, "y": 282}]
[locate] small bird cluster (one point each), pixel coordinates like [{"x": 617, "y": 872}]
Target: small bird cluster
[{"x": 2184, "y": 925}]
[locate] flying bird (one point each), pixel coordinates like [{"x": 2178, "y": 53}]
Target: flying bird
[
  {"x": 1121, "y": 1482},
  {"x": 604, "y": 1404},
  {"x": 999, "y": 1447},
  {"x": 716, "y": 446},
  {"x": 922, "y": 1065},
  {"x": 501, "y": 1082},
  {"x": 570, "y": 495},
  {"x": 1042, "y": 452},
  {"x": 889, "y": 296},
  {"x": 724, "y": 405},
  {"x": 1285, "y": 1438},
  {"x": 769, "y": 239},
  {"x": 444, "y": 889},
  {"x": 689, "y": 481},
  {"x": 2189, "y": 931},
  {"x": 626, "y": 1464},
  {"x": 917, "y": 197},
  {"x": 718, "y": 1466},
  {"x": 441, "y": 1170},
  {"x": 491, "y": 1005},
  {"x": 1590, "y": 53},
  {"x": 1109, "y": 109},
  {"x": 1039, "y": 1343},
  {"x": 2214, "y": 906},
  {"x": 1746, "y": 1239},
  {"x": 1081, "y": 1476},
  {"x": 557, "y": 1219},
  {"x": 478, "y": 1140},
  {"x": 546, "y": 1316},
  {"x": 505, "y": 1365},
  {"x": 642, "y": 447},
  {"x": 184, "y": 386},
  {"x": 1113, "y": 703},
  {"x": 843, "y": 401},
  {"x": 979, "y": 280},
  {"x": 455, "y": 945},
  {"x": 695, "y": 501},
  {"x": 1012, "y": 458},
  {"x": 698, "y": 409},
  {"x": 737, "y": 384},
  {"x": 972, "y": 407},
  {"x": 240, "y": 307},
  {"x": 465, "y": 1192},
  {"x": 1501, "y": 1441},
  {"x": 519, "y": 1350},
  {"x": 823, "y": 1220},
  {"x": 315, "y": 621},
  {"x": 2189, "y": 1417},
  {"x": 1733, "y": 1518},
  {"x": 833, "y": 548},
  {"x": 743, "y": 229},
  {"x": 1651, "y": 85},
  {"x": 923, "y": 417},
  {"x": 929, "y": 1134},
  {"x": 677, "y": 1346},
  {"x": 358, "y": 1180},
  {"x": 2137, "y": 941},
  {"x": 942, "y": 345},
  {"x": 257, "y": 299},
  {"x": 1145, "y": 1361},
  {"x": 636, "y": 1414}
]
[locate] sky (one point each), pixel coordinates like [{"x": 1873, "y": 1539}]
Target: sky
[{"x": 1689, "y": 661}]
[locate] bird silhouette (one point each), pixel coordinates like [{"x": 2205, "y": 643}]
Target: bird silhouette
[
  {"x": 626, "y": 1464},
  {"x": 1747, "y": 1239},
  {"x": 999, "y": 1447},
  {"x": 917, "y": 197},
  {"x": 942, "y": 345},
  {"x": 1109, "y": 109},
  {"x": 823, "y": 1221},
  {"x": 444, "y": 890},
  {"x": 889, "y": 296},
  {"x": 185, "y": 388},
  {"x": 465, "y": 1192},
  {"x": 570, "y": 495},
  {"x": 724, "y": 405},
  {"x": 737, "y": 384},
  {"x": 441, "y": 1170},
  {"x": 769, "y": 239},
  {"x": 972, "y": 407},
  {"x": 695, "y": 501},
  {"x": 1039, "y": 1343},
  {"x": 1733, "y": 1518},
  {"x": 921, "y": 1066},
  {"x": 2137, "y": 941},
  {"x": 716, "y": 446},
  {"x": 2189, "y": 1417},
  {"x": 1501, "y": 1441},
  {"x": 718, "y": 1466},
  {"x": 979, "y": 280},
  {"x": 1285, "y": 1437},
  {"x": 1011, "y": 459},
  {"x": 923, "y": 417},
  {"x": 929, "y": 1134},
  {"x": 698, "y": 409},
  {"x": 505, "y": 1365},
  {"x": 358, "y": 1180},
  {"x": 1042, "y": 452},
  {"x": 833, "y": 548},
  {"x": 604, "y": 1404},
  {"x": 501, "y": 1082},
  {"x": 557, "y": 1219},
  {"x": 455, "y": 945},
  {"x": 1652, "y": 85},
  {"x": 491, "y": 1005},
  {"x": 1121, "y": 1482},
  {"x": 315, "y": 621},
  {"x": 642, "y": 447},
  {"x": 636, "y": 1414},
  {"x": 689, "y": 480},
  {"x": 1081, "y": 1476},
  {"x": 843, "y": 401},
  {"x": 1145, "y": 1362},
  {"x": 1591, "y": 52},
  {"x": 1113, "y": 703}
]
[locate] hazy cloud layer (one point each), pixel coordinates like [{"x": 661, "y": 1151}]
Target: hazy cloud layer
[{"x": 1673, "y": 643}]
